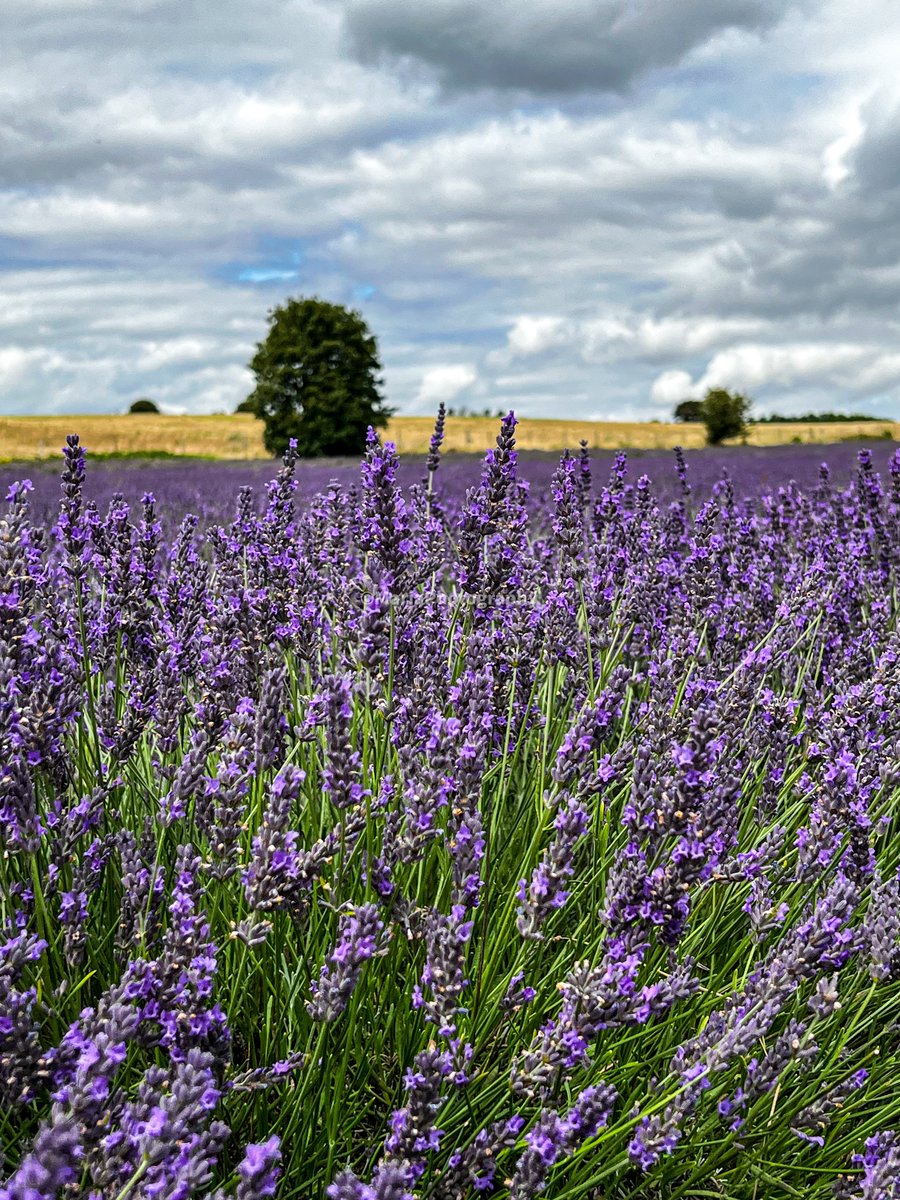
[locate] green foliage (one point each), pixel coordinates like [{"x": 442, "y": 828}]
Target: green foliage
[
  {"x": 689, "y": 410},
  {"x": 824, "y": 418},
  {"x": 247, "y": 406},
  {"x": 144, "y": 405},
  {"x": 317, "y": 379},
  {"x": 724, "y": 414}
]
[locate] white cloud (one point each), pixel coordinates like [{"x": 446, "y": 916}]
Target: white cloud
[
  {"x": 523, "y": 232},
  {"x": 753, "y": 366},
  {"x": 532, "y": 335},
  {"x": 856, "y": 368},
  {"x": 175, "y": 350},
  {"x": 672, "y": 387},
  {"x": 444, "y": 383}
]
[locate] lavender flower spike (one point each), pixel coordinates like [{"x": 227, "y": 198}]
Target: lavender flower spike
[
  {"x": 358, "y": 941},
  {"x": 258, "y": 1173}
]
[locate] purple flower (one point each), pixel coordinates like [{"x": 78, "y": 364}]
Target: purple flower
[
  {"x": 258, "y": 1173},
  {"x": 359, "y": 933}
]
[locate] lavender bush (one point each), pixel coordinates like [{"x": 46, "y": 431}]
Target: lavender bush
[{"x": 427, "y": 835}]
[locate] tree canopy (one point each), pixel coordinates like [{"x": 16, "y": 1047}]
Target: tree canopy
[
  {"x": 689, "y": 410},
  {"x": 144, "y": 405},
  {"x": 724, "y": 414},
  {"x": 317, "y": 379}
]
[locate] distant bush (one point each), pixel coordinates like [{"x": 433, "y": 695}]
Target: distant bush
[
  {"x": 144, "y": 405},
  {"x": 247, "y": 406}
]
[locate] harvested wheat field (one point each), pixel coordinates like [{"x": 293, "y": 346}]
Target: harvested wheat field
[{"x": 239, "y": 436}]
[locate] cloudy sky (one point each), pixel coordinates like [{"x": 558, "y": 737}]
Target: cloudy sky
[{"x": 587, "y": 208}]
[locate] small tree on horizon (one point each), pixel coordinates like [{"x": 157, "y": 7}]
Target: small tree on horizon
[
  {"x": 724, "y": 414},
  {"x": 317, "y": 379},
  {"x": 144, "y": 405},
  {"x": 689, "y": 410}
]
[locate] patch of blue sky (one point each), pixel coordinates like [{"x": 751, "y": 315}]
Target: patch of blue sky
[
  {"x": 195, "y": 70},
  {"x": 16, "y": 254},
  {"x": 263, "y": 275},
  {"x": 275, "y": 259},
  {"x": 699, "y": 91}
]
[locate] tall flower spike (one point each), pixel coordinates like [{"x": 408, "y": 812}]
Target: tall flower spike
[
  {"x": 433, "y": 461},
  {"x": 358, "y": 940}
]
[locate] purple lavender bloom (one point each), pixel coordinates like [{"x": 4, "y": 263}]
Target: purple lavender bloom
[
  {"x": 880, "y": 1170},
  {"x": 258, "y": 1173},
  {"x": 555, "y": 1136},
  {"x": 340, "y": 774},
  {"x": 547, "y": 892},
  {"x": 52, "y": 1163},
  {"x": 443, "y": 979},
  {"x": 359, "y": 934},
  {"x": 433, "y": 461}
]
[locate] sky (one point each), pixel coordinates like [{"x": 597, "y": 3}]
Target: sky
[{"x": 572, "y": 208}]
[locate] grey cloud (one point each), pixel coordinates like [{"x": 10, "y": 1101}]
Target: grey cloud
[
  {"x": 876, "y": 159},
  {"x": 546, "y": 46}
]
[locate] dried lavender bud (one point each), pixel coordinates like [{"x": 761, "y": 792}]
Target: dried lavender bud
[
  {"x": 825, "y": 999},
  {"x": 251, "y": 932},
  {"x": 764, "y": 914},
  {"x": 258, "y": 1078},
  {"x": 881, "y": 927},
  {"x": 811, "y": 1123}
]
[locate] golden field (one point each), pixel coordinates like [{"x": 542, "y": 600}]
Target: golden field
[{"x": 239, "y": 436}]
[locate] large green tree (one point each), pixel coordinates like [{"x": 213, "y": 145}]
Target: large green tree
[
  {"x": 724, "y": 414},
  {"x": 317, "y": 379}
]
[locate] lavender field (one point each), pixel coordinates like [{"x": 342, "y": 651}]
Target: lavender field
[{"x": 452, "y": 829}]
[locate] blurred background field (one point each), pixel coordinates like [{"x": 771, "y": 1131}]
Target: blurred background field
[
  {"x": 239, "y": 436},
  {"x": 210, "y": 488}
]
